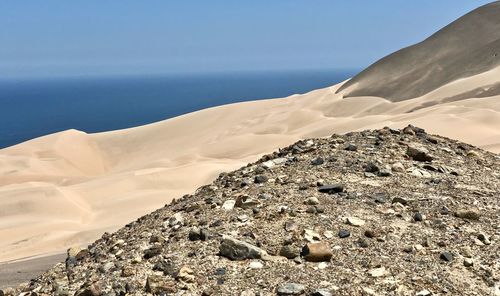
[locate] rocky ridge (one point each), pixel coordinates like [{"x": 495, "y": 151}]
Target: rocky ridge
[{"x": 383, "y": 212}]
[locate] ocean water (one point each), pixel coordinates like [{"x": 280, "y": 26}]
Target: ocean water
[{"x": 33, "y": 108}]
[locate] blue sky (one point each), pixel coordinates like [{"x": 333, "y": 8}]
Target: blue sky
[{"x": 100, "y": 37}]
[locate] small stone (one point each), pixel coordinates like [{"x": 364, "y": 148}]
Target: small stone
[
  {"x": 418, "y": 217},
  {"x": 418, "y": 153},
  {"x": 127, "y": 271},
  {"x": 106, "y": 267},
  {"x": 255, "y": 265},
  {"x": 289, "y": 251},
  {"x": 350, "y": 147},
  {"x": 398, "y": 167},
  {"x": 468, "y": 262},
  {"x": 424, "y": 292},
  {"x": 318, "y": 161},
  {"x": 228, "y": 204},
  {"x": 484, "y": 239},
  {"x": 242, "y": 218},
  {"x": 194, "y": 234},
  {"x": 152, "y": 252},
  {"x": 322, "y": 292},
  {"x": 469, "y": 214},
  {"x": 246, "y": 202},
  {"x": 317, "y": 252},
  {"x": 446, "y": 256},
  {"x": 328, "y": 234},
  {"x": 186, "y": 275},
  {"x": 444, "y": 211},
  {"x": 400, "y": 200},
  {"x": 259, "y": 179},
  {"x": 312, "y": 201},
  {"x": 385, "y": 173},
  {"x": 371, "y": 167},
  {"x": 370, "y": 233},
  {"x": 239, "y": 250},
  {"x": 344, "y": 233},
  {"x": 332, "y": 188},
  {"x": 466, "y": 252},
  {"x": 355, "y": 221},
  {"x": 311, "y": 235},
  {"x": 157, "y": 285},
  {"x": 291, "y": 289},
  {"x": 378, "y": 272}
]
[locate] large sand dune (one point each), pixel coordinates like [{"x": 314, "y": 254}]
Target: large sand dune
[
  {"x": 468, "y": 46},
  {"x": 68, "y": 188}
]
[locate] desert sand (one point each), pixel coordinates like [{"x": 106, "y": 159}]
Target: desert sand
[{"x": 66, "y": 189}]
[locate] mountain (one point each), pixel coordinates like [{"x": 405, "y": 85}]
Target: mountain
[
  {"x": 356, "y": 214},
  {"x": 469, "y": 46}
]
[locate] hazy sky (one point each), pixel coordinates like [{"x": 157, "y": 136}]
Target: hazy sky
[{"x": 100, "y": 37}]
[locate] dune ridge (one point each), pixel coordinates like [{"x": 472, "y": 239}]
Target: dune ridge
[{"x": 68, "y": 188}]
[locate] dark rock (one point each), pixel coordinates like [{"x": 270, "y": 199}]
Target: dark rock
[
  {"x": 289, "y": 251},
  {"x": 239, "y": 250},
  {"x": 194, "y": 234},
  {"x": 446, "y": 256},
  {"x": 318, "y": 161},
  {"x": 400, "y": 200},
  {"x": 350, "y": 147},
  {"x": 331, "y": 188},
  {"x": 152, "y": 252},
  {"x": 418, "y": 217},
  {"x": 371, "y": 167},
  {"x": 419, "y": 153},
  {"x": 344, "y": 233},
  {"x": 260, "y": 179}
]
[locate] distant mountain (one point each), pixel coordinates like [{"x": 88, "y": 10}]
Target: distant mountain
[{"x": 466, "y": 47}]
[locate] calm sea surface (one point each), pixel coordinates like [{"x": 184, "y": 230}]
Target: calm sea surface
[{"x": 33, "y": 108}]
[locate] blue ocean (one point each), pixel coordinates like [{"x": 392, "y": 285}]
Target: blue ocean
[{"x": 37, "y": 107}]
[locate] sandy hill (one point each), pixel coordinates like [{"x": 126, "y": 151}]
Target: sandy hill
[
  {"x": 466, "y": 47},
  {"x": 66, "y": 189},
  {"x": 360, "y": 214}
]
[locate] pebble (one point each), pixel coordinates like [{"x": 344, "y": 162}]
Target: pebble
[
  {"x": 234, "y": 249},
  {"x": 424, "y": 292},
  {"x": 418, "y": 153},
  {"x": 157, "y": 284},
  {"x": 255, "y": 265},
  {"x": 228, "y": 204},
  {"x": 398, "y": 167},
  {"x": 350, "y": 147},
  {"x": 418, "y": 217},
  {"x": 378, "y": 272},
  {"x": 289, "y": 251},
  {"x": 291, "y": 289},
  {"x": 312, "y": 201},
  {"x": 355, "y": 221},
  {"x": 331, "y": 188},
  {"x": 322, "y": 292},
  {"x": 469, "y": 214},
  {"x": 318, "y": 161},
  {"x": 468, "y": 262},
  {"x": 317, "y": 252},
  {"x": 344, "y": 233},
  {"x": 259, "y": 179},
  {"x": 446, "y": 256}
]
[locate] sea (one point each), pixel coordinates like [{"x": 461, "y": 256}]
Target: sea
[{"x": 31, "y": 108}]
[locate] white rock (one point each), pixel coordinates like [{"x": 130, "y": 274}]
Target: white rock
[
  {"x": 355, "y": 221},
  {"x": 229, "y": 204},
  {"x": 424, "y": 292},
  {"x": 378, "y": 272},
  {"x": 255, "y": 265},
  {"x": 328, "y": 234}
]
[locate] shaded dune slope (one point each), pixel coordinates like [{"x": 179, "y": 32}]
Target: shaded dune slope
[{"x": 466, "y": 47}]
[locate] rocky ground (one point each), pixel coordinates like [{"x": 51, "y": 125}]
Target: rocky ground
[{"x": 385, "y": 212}]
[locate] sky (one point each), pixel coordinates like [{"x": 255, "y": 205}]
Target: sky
[{"x": 101, "y": 37}]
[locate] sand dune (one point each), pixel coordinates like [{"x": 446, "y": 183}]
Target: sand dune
[
  {"x": 68, "y": 188},
  {"x": 468, "y": 46}
]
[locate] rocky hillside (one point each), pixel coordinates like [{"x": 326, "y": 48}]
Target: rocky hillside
[
  {"x": 384, "y": 212},
  {"x": 466, "y": 47}
]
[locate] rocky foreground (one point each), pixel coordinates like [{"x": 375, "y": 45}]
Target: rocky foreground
[{"x": 385, "y": 212}]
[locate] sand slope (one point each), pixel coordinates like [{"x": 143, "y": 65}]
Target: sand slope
[
  {"x": 466, "y": 47},
  {"x": 68, "y": 188}
]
